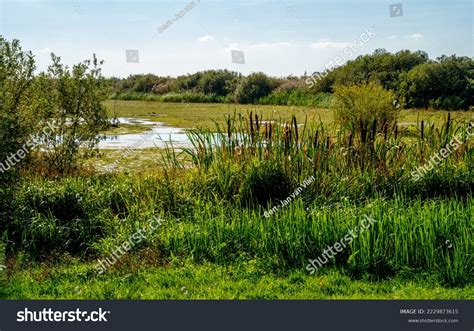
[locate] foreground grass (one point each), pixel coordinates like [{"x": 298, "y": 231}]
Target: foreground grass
[
  {"x": 134, "y": 280},
  {"x": 204, "y": 115}
]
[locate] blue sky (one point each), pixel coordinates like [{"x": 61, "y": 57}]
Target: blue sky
[{"x": 277, "y": 37}]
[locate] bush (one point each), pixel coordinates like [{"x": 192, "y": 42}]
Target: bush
[
  {"x": 72, "y": 100},
  {"x": 55, "y": 216},
  {"x": 252, "y": 88},
  {"x": 357, "y": 107},
  {"x": 66, "y": 215},
  {"x": 265, "y": 181},
  {"x": 16, "y": 77}
]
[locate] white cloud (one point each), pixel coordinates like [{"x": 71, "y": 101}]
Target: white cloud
[
  {"x": 324, "y": 44},
  {"x": 415, "y": 36},
  {"x": 270, "y": 45},
  {"x": 206, "y": 39}
]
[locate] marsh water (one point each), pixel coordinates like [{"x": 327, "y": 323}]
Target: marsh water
[{"x": 159, "y": 135}]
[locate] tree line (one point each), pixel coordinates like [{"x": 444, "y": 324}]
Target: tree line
[{"x": 418, "y": 81}]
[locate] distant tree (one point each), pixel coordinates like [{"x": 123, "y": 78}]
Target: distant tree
[
  {"x": 381, "y": 67},
  {"x": 253, "y": 87},
  {"x": 145, "y": 83},
  {"x": 444, "y": 84},
  {"x": 218, "y": 82},
  {"x": 186, "y": 83}
]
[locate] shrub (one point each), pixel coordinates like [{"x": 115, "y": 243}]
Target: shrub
[
  {"x": 72, "y": 100},
  {"x": 62, "y": 216},
  {"x": 16, "y": 77},
  {"x": 357, "y": 107},
  {"x": 252, "y": 88},
  {"x": 265, "y": 181}
]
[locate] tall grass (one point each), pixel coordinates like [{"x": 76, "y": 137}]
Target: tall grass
[
  {"x": 377, "y": 159},
  {"x": 298, "y": 97},
  {"x": 407, "y": 235},
  {"x": 191, "y": 97},
  {"x": 214, "y": 196}
]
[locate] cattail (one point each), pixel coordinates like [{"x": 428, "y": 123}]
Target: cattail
[
  {"x": 229, "y": 131},
  {"x": 295, "y": 124},
  {"x": 396, "y": 131},
  {"x": 422, "y": 130},
  {"x": 374, "y": 130},
  {"x": 448, "y": 123},
  {"x": 315, "y": 143},
  {"x": 287, "y": 133},
  {"x": 251, "y": 124},
  {"x": 257, "y": 125},
  {"x": 252, "y": 134}
]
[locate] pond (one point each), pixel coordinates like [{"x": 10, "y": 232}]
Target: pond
[{"x": 159, "y": 136}]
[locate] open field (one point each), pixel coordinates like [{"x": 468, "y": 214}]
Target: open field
[{"x": 204, "y": 115}]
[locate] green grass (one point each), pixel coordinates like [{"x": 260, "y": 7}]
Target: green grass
[
  {"x": 128, "y": 129},
  {"x": 139, "y": 160},
  {"x": 409, "y": 236},
  {"x": 216, "y": 241},
  {"x": 204, "y": 115},
  {"x": 195, "y": 115},
  {"x": 208, "y": 281}
]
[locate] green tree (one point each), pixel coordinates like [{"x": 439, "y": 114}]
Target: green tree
[
  {"x": 16, "y": 122},
  {"x": 382, "y": 67},
  {"x": 443, "y": 84},
  {"x": 217, "y": 82},
  {"x": 72, "y": 100},
  {"x": 253, "y": 87}
]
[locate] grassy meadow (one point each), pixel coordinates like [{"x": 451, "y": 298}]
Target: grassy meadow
[
  {"x": 216, "y": 241},
  {"x": 205, "y": 115}
]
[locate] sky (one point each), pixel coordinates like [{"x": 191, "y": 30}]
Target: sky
[{"x": 279, "y": 38}]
